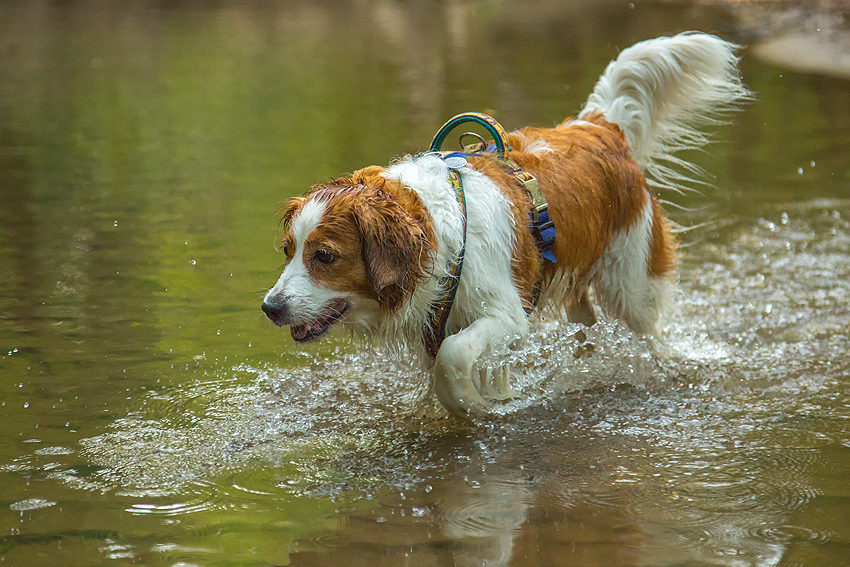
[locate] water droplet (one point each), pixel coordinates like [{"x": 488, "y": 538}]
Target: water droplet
[
  {"x": 631, "y": 5},
  {"x": 799, "y": 171},
  {"x": 26, "y": 405},
  {"x": 812, "y": 163},
  {"x": 115, "y": 223},
  {"x": 194, "y": 262},
  {"x": 218, "y": 332}
]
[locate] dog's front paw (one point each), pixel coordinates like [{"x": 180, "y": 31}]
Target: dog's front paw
[
  {"x": 496, "y": 383},
  {"x": 461, "y": 387},
  {"x": 453, "y": 381}
]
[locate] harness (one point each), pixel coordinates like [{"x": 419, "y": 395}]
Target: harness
[{"x": 542, "y": 228}]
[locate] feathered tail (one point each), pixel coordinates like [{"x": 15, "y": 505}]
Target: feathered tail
[{"x": 659, "y": 91}]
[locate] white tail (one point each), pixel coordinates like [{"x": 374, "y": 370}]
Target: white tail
[{"x": 658, "y": 91}]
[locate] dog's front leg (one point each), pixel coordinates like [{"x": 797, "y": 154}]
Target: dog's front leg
[{"x": 456, "y": 380}]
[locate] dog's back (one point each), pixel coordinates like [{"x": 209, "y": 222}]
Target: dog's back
[{"x": 596, "y": 172}]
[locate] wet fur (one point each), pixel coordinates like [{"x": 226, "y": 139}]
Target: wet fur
[{"x": 395, "y": 231}]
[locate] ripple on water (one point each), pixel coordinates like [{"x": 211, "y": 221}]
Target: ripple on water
[
  {"x": 196, "y": 497},
  {"x": 789, "y": 534},
  {"x": 484, "y": 509},
  {"x": 170, "y": 509}
]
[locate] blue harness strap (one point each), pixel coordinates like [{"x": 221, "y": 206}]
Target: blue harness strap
[{"x": 544, "y": 234}]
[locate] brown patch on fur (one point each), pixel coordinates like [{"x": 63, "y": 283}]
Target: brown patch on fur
[
  {"x": 663, "y": 249},
  {"x": 337, "y": 234},
  {"x": 595, "y": 190},
  {"x": 379, "y": 233}
]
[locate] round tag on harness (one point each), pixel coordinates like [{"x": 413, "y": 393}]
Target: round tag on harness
[{"x": 454, "y": 162}]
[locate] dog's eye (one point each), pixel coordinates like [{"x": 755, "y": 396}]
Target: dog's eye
[{"x": 323, "y": 256}]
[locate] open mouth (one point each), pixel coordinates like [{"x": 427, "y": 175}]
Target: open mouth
[{"x": 319, "y": 326}]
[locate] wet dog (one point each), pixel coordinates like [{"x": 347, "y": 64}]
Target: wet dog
[{"x": 440, "y": 254}]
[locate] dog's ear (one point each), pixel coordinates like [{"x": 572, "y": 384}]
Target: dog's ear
[{"x": 394, "y": 248}]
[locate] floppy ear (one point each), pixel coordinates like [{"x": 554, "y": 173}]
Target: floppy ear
[{"x": 394, "y": 248}]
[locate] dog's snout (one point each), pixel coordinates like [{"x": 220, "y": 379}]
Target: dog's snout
[{"x": 275, "y": 310}]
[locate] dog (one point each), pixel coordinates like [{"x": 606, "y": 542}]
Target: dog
[{"x": 400, "y": 254}]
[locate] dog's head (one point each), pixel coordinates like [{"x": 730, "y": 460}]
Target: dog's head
[{"x": 355, "y": 250}]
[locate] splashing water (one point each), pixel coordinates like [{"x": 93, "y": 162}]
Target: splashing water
[
  {"x": 704, "y": 436},
  {"x": 765, "y": 314}
]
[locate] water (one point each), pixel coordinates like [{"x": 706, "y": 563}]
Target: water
[{"x": 152, "y": 416}]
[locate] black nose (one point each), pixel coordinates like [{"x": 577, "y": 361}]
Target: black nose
[{"x": 276, "y": 312}]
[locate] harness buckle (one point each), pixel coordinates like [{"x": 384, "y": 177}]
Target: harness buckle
[{"x": 538, "y": 201}]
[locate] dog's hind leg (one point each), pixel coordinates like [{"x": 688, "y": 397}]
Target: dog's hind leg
[
  {"x": 582, "y": 311},
  {"x": 457, "y": 383},
  {"x": 636, "y": 274}
]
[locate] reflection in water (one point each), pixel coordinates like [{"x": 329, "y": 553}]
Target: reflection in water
[{"x": 150, "y": 417}]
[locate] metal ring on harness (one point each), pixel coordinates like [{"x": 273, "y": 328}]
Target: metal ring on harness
[
  {"x": 542, "y": 228},
  {"x": 480, "y": 144},
  {"x": 500, "y": 137}
]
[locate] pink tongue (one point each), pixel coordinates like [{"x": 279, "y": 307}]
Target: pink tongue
[{"x": 298, "y": 332}]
